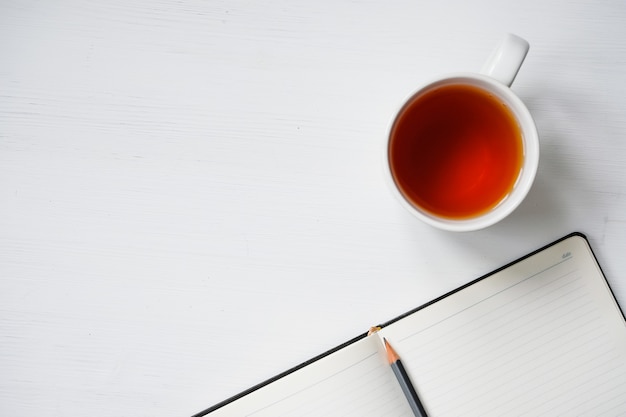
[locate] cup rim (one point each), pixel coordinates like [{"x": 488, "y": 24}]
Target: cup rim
[{"x": 527, "y": 174}]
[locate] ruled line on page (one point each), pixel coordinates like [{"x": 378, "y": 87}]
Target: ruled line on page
[
  {"x": 320, "y": 382},
  {"x": 605, "y": 398},
  {"x": 511, "y": 387},
  {"x": 620, "y": 404},
  {"x": 409, "y": 335},
  {"x": 370, "y": 388},
  {"x": 536, "y": 346},
  {"x": 454, "y": 333},
  {"x": 478, "y": 364},
  {"x": 505, "y": 340},
  {"x": 458, "y": 333},
  {"x": 497, "y": 362},
  {"x": 365, "y": 388}
]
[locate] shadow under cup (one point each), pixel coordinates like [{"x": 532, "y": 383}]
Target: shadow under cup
[{"x": 463, "y": 152}]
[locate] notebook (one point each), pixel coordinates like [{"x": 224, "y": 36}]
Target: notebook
[{"x": 542, "y": 336}]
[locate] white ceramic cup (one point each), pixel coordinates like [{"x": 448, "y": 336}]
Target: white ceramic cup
[{"x": 496, "y": 77}]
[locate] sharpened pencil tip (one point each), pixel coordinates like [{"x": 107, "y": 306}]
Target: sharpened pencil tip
[{"x": 392, "y": 356}]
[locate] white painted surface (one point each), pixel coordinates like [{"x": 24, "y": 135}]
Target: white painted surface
[{"x": 191, "y": 197}]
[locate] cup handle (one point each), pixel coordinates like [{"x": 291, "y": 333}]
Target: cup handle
[{"x": 506, "y": 60}]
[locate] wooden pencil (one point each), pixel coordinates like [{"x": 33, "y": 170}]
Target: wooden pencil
[{"x": 404, "y": 381}]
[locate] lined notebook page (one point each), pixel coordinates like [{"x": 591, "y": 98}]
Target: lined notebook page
[
  {"x": 355, "y": 381},
  {"x": 541, "y": 338}
]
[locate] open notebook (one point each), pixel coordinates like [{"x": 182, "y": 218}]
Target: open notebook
[{"x": 542, "y": 336}]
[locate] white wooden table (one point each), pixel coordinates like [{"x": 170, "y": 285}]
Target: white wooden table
[{"x": 191, "y": 194}]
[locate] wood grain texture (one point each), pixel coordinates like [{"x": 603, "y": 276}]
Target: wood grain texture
[{"x": 191, "y": 197}]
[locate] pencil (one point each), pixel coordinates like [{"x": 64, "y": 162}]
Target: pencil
[{"x": 405, "y": 382}]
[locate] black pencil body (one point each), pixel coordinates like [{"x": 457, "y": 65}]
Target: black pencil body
[{"x": 407, "y": 388}]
